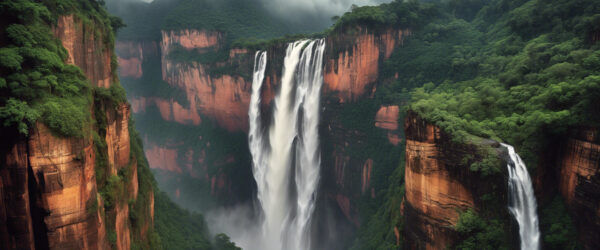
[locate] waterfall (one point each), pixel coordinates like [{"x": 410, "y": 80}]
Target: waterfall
[
  {"x": 290, "y": 147},
  {"x": 522, "y": 204},
  {"x": 255, "y": 137}
]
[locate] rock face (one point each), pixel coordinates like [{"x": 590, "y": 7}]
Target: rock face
[
  {"x": 351, "y": 71},
  {"x": 438, "y": 185},
  {"x": 224, "y": 98},
  {"x": 48, "y": 191},
  {"x": 16, "y": 228},
  {"x": 86, "y": 50},
  {"x": 387, "y": 118},
  {"x": 579, "y": 182},
  {"x": 131, "y": 56}
]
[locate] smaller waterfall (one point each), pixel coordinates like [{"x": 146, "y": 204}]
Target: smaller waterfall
[{"x": 522, "y": 204}]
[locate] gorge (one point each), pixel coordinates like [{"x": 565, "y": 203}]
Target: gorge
[{"x": 224, "y": 125}]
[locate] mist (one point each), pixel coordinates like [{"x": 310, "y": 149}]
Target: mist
[
  {"x": 322, "y": 8},
  {"x": 313, "y": 14}
]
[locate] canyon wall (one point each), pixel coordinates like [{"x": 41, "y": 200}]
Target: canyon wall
[
  {"x": 86, "y": 50},
  {"x": 225, "y": 98},
  {"x": 579, "y": 182},
  {"x": 439, "y": 184},
  {"x": 353, "y": 61},
  {"x": 216, "y": 95},
  {"x": 48, "y": 184}
]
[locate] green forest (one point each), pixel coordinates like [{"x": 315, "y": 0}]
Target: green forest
[
  {"x": 521, "y": 72},
  {"x": 37, "y": 85}
]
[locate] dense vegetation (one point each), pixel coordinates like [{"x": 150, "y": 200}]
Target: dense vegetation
[
  {"x": 516, "y": 77},
  {"x": 520, "y": 72},
  {"x": 35, "y": 82},
  {"x": 37, "y": 85},
  {"x": 515, "y": 71}
]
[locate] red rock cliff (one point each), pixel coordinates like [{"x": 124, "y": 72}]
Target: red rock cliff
[
  {"x": 351, "y": 71},
  {"x": 131, "y": 56},
  {"x": 438, "y": 185},
  {"x": 86, "y": 50},
  {"x": 48, "y": 191},
  {"x": 224, "y": 98},
  {"x": 579, "y": 182}
]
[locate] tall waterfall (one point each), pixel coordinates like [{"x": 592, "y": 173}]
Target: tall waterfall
[
  {"x": 290, "y": 147},
  {"x": 522, "y": 204}
]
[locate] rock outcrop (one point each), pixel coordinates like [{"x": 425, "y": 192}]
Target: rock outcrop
[
  {"x": 224, "y": 98},
  {"x": 86, "y": 50},
  {"x": 438, "y": 184},
  {"x": 349, "y": 72},
  {"x": 49, "y": 197}
]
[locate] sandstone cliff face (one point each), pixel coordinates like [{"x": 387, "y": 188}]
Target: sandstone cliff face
[
  {"x": 438, "y": 185},
  {"x": 579, "y": 182},
  {"x": 64, "y": 179},
  {"x": 131, "y": 55},
  {"x": 86, "y": 50},
  {"x": 224, "y": 98},
  {"x": 48, "y": 190},
  {"x": 350, "y": 72},
  {"x": 16, "y": 228},
  {"x": 387, "y": 118}
]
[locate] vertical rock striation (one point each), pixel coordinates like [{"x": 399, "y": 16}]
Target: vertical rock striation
[
  {"x": 579, "y": 182},
  {"x": 438, "y": 184},
  {"x": 350, "y": 71},
  {"x": 48, "y": 191}
]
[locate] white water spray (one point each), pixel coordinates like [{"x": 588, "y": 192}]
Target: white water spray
[
  {"x": 292, "y": 138},
  {"x": 522, "y": 204}
]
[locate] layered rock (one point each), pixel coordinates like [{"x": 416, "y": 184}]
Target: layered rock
[
  {"x": 438, "y": 184},
  {"x": 579, "y": 182}
]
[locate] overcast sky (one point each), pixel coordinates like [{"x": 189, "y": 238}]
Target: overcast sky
[
  {"x": 332, "y": 7},
  {"x": 329, "y": 7}
]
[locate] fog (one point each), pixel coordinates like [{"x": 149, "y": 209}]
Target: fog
[
  {"x": 324, "y": 8},
  {"x": 303, "y": 9}
]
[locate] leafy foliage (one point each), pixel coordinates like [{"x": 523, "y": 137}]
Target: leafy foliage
[
  {"x": 557, "y": 225},
  {"x": 521, "y": 83},
  {"x": 480, "y": 233},
  {"x": 35, "y": 82}
]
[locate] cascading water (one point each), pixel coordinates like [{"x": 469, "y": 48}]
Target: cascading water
[
  {"x": 522, "y": 204},
  {"x": 292, "y": 145}
]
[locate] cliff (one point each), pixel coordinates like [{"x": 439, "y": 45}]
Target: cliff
[
  {"x": 579, "y": 182},
  {"x": 350, "y": 72},
  {"x": 86, "y": 49},
  {"x": 440, "y": 185},
  {"x": 52, "y": 188},
  {"x": 222, "y": 98},
  {"x": 213, "y": 86}
]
